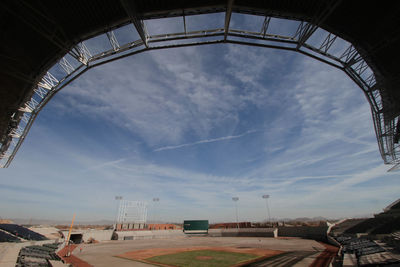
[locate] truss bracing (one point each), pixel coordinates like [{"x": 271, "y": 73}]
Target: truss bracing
[
  {"x": 264, "y": 28},
  {"x": 350, "y": 61},
  {"x": 113, "y": 40}
]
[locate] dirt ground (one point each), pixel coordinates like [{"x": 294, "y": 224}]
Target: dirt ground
[
  {"x": 148, "y": 253},
  {"x": 325, "y": 257},
  {"x": 72, "y": 259},
  {"x": 104, "y": 254}
]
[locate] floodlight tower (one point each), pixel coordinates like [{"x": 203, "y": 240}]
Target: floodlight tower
[
  {"x": 266, "y": 202},
  {"x": 236, "y": 199},
  {"x": 155, "y": 200},
  {"x": 118, "y": 198}
]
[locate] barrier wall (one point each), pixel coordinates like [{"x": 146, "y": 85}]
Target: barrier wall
[
  {"x": 243, "y": 232},
  {"x": 99, "y": 235},
  {"x": 309, "y": 232},
  {"x": 333, "y": 241},
  {"x": 136, "y": 235}
]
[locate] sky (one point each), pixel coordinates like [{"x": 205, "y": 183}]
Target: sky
[{"x": 195, "y": 127}]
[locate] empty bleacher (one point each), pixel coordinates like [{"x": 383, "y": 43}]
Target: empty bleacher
[
  {"x": 366, "y": 252},
  {"x": 393, "y": 240},
  {"x": 359, "y": 246},
  {"x": 362, "y": 227},
  {"x": 377, "y": 225},
  {"x": 22, "y": 232},
  {"x": 388, "y": 227},
  {"x": 37, "y": 255},
  {"x": 339, "y": 229},
  {"x": 396, "y": 206},
  {"x": 4, "y": 237}
]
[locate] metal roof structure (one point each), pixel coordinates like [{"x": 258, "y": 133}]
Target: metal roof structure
[
  {"x": 393, "y": 205},
  {"x": 38, "y": 35}
]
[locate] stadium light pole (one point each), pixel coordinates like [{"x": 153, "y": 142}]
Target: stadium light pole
[
  {"x": 236, "y": 199},
  {"x": 155, "y": 200},
  {"x": 266, "y": 197},
  {"x": 118, "y": 205}
]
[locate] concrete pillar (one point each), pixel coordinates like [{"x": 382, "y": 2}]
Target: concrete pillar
[{"x": 275, "y": 232}]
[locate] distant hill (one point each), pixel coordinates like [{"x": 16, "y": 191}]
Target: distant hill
[{"x": 307, "y": 219}]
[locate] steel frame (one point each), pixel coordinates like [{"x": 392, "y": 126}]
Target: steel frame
[
  {"x": 350, "y": 61},
  {"x": 132, "y": 212}
]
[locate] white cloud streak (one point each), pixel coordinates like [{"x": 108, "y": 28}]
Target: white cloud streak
[
  {"x": 317, "y": 144},
  {"x": 224, "y": 138}
]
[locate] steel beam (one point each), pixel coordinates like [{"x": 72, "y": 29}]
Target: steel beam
[
  {"x": 33, "y": 18},
  {"x": 306, "y": 29},
  {"x": 184, "y": 22},
  {"x": 66, "y": 66},
  {"x": 303, "y": 32},
  {"x": 395, "y": 168},
  {"x": 48, "y": 81},
  {"x": 228, "y": 14},
  {"x": 113, "y": 40},
  {"x": 130, "y": 9},
  {"x": 350, "y": 56},
  {"x": 81, "y": 53},
  {"x": 328, "y": 42},
  {"x": 351, "y": 62},
  {"x": 264, "y": 28}
]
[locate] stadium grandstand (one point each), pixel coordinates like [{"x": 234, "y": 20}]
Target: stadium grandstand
[
  {"x": 39, "y": 255},
  {"x": 5, "y": 237},
  {"x": 40, "y": 37},
  {"x": 394, "y": 240},
  {"x": 45, "y": 47},
  {"x": 394, "y": 207},
  {"x": 18, "y": 231},
  {"x": 385, "y": 222},
  {"x": 372, "y": 241}
]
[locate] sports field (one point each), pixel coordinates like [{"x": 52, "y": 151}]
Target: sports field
[
  {"x": 199, "y": 258},
  {"x": 136, "y": 252}
]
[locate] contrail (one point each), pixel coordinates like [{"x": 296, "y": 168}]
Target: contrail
[
  {"x": 205, "y": 141},
  {"x": 98, "y": 166}
]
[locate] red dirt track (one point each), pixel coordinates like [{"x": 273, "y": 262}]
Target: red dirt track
[
  {"x": 326, "y": 256},
  {"x": 75, "y": 261}
]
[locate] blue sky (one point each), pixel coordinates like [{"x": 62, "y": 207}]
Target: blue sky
[{"x": 195, "y": 127}]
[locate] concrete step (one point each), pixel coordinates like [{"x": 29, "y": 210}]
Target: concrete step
[{"x": 285, "y": 260}]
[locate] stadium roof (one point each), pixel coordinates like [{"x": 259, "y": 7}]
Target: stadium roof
[
  {"x": 37, "y": 34},
  {"x": 394, "y": 205}
]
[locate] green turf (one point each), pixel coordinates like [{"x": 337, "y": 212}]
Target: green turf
[{"x": 188, "y": 258}]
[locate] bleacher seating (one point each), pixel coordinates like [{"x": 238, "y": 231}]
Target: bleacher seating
[
  {"x": 388, "y": 227},
  {"x": 339, "y": 229},
  {"x": 368, "y": 225},
  {"x": 396, "y": 206},
  {"x": 4, "y": 237},
  {"x": 359, "y": 246},
  {"x": 22, "y": 232},
  {"x": 37, "y": 255},
  {"x": 377, "y": 225}
]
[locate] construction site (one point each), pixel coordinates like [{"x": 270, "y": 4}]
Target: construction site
[{"x": 351, "y": 242}]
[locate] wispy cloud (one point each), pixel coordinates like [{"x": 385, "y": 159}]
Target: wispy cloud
[
  {"x": 224, "y": 138},
  {"x": 102, "y": 135},
  {"x": 104, "y": 164}
]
